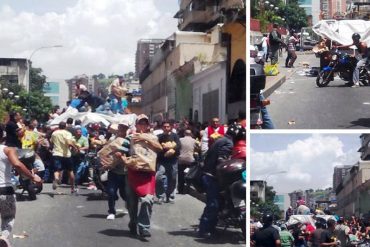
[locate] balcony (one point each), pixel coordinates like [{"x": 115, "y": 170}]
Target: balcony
[
  {"x": 232, "y": 4},
  {"x": 191, "y": 19}
]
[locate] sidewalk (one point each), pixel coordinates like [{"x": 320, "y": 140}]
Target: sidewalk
[{"x": 274, "y": 82}]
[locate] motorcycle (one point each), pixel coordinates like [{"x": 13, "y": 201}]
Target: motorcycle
[
  {"x": 231, "y": 177},
  {"x": 27, "y": 157},
  {"x": 99, "y": 176},
  {"x": 343, "y": 65}
]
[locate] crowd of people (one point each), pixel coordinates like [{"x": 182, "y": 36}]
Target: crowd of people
[
  {"x": 144, "y": 162},
  {"x": 325, "y": 229}
]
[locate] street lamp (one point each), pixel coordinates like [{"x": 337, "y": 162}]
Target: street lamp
[
  {"x": 265, "y": 182},
  {"x": 29, "y": 62}
]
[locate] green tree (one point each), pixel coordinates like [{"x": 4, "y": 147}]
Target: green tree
[
  {"x": 258, "y": 207},
  {"x": 38, "y": 106},
  {"x": 37, "y": 79},
  {"x": 295, "y": 16}
]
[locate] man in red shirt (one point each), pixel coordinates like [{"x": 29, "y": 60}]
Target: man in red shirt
[
  {"x": 141, "y": 184},
  {"x": 215, "y": 128}
]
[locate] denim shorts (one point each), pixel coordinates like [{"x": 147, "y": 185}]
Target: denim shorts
[{"x": 62, "y": 163}]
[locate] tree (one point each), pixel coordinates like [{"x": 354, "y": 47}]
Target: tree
[
  {"x": 295, "y": 16},
  {"x": 37, "y": 80},
  {"x": 258, "y": 207},
  {"x": 38, "y": 106}
]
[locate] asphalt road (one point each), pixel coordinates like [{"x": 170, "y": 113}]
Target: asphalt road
[
  {"x": 300, "y": 104},
  {"x": 61, "y": 219}
]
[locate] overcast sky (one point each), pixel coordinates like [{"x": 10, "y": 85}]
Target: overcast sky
[
  {"x": 308, "y": 160},
  {"x": 97, "y": 36}
]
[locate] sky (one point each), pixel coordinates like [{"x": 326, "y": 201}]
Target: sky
[
  {"x": 306, "y": 160},
  {"x": 97, "y": 36}
]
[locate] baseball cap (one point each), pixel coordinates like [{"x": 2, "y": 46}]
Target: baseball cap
[
  {"x": 125, "y": 123},
  {"x": 141, "y": 117}
]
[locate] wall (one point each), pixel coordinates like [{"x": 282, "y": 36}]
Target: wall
[{"x": 213, "y": 78}]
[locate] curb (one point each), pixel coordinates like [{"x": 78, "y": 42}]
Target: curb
[{"x": 274, "y": 86}]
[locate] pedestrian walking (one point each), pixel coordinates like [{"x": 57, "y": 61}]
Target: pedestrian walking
[
  {"x": 275, "y": 41},
  {"x": 79, "y": 158},
  {"x": 116, "y": 170},
  {"x": 186, "y": 158},
  {"x": 286, "y": 237},
  {"x": 62, "y": 140},
  {"x": 292, "y": 56},
  {"x": 166, "y": 176},
  {"x": 8, "y": 160},
  {"x": 141, "y": 176}
]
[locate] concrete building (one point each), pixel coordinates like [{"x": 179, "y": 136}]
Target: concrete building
[
  {"x": 57, "y": 91},
  {"x": 170, "y": 69},
  {"x": 311, "y": 7},
  {"x": 89, "y": 82},
  {"x": 257, "y": 190},
  {"x": 282, "y": 201},
  {"x": 209, "y": 90},
  {"x": 144, "y": 53},
  {"x": 353, "y": 193},
  {"x": 15, "y": 70},
  {"x": 365, "y": 148},
  {"x": 339, "y": 173},
  {"x": 201, "y": 15}
]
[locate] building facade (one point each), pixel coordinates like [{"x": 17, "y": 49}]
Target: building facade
[
  {"x": 15, "y": 70},
  {"x": 57, "y": 91},
  {"x": 160, "y": 79},
  {"x": 340, "y": 172},
  {"x": 311, "y": 8},
  {"x": 144, "y": 53},
  {"x": 352, "y": 194},
  {"x": 257, "y": 189}
]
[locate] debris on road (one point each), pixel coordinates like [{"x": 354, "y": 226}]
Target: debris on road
[
  {"x": 292, "y": 122},
  {"x": 21, "y": 236}
]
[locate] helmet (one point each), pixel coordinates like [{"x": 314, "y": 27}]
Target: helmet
[
  {"x": 356, "y": 37},
  {"x": 267, "y": 219},
  {"x": 236, "y": 131}
]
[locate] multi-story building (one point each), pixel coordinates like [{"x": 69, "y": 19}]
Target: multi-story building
[
  {"x": 15, "y": 70},
  {"x": 282, "y": 201},
  {"x": 311, "y": 7},
  {"x": 165, "y": 80},
  {"x": 365, "y": 148},
  {"x": 202, "y": 15},
  {"x": 144, "y": 53},
  {"x": 57, "y": 91},
  {"x": 295, "y": 196},
  {"x": 352, "y": 194},
  {"x": 339, "y": 173},
  {"x": 257, "y": 189}
]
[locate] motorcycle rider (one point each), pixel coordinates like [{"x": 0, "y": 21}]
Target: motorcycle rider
[
  {"x": 363, "y": 49},
  {"x": 220, "y": 150}
]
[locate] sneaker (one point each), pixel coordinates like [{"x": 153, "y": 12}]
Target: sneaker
[
  {"x": 356, "y": 85},
  {"x": 74, "y": 191},
  {"x": 92, "y": 187},
  {"x": 111, "y": 217},
  {"x": 144, "y": 233},
  {"x": 206, "y": 235},
  {"x": 170, "y": 200}
]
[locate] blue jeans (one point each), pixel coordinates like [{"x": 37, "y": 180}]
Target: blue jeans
[
  {"x": 81, "y": 170},
  {"x": 208, "y": 220},
  {"x": 166, "y": 179},
  {"x": 267, "y": 122},
  {"x": 139, "y": 216},
  {"x": 115, "y": 182}
]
